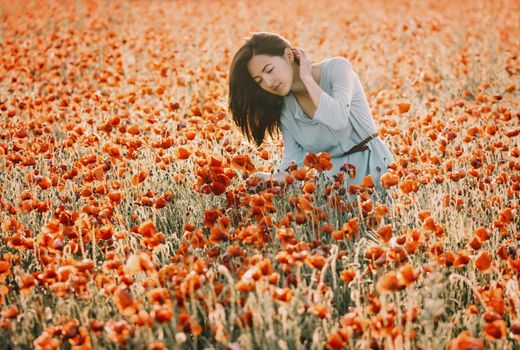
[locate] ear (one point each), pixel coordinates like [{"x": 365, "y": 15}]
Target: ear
[{"x": 289, "y": 54}]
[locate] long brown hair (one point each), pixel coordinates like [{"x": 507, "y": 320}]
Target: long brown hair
[{"x": 253, "y": 109}]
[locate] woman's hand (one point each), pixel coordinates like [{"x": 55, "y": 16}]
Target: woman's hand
[
  {"x": 258, "y": 181},
  {"x": 305, "y": 64},
  {"x": 261, "y": 180},
  {"x": 313, "y": 88}
]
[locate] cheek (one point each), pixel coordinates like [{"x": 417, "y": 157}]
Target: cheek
[
  {"x": 289, "y": 77},
  {"x": 263, "y": 86},
  {"x": 289, "y": 74}
]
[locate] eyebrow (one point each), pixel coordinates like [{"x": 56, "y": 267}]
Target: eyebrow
[{"x": 262, "y": 70}]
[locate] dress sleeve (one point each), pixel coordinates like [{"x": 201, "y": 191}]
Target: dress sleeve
[
  {"x": 292, "y": 151},
  {"x": 334, "y": 111}
]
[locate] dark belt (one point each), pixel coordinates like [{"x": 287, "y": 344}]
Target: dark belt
[{"x": 362, "y": 146}]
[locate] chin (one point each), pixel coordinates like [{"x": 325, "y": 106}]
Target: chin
[
  {"x": 282, "y": 93},
  {"x": 277, "y": 93}
]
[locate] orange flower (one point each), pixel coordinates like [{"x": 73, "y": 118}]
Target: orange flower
[
  {"x": 495, "y": 330},
  {"x": 115, "y": 196},
  {"x": 506, "y": 216},
  {"x": 133, "y": 129},
  {"x": 10, "y": 312},
  {"x": 423, "y": 214},
  {"x": 190, "y": 134},
  {"x": 403, "y": 107},
  {"x": 245, "y": 286},
  {"x": 515, "y": 328},
  {"x": 283, "y": 294},
  {"x": 320, "y": 310},
  {"x": 99, "y": 173},
  {"x": 367, "y": 182},
  {"x": 338, "y": 235},
  {"x": 327, "y": 228},
  {"x": 311, "y": 160},
  {"x": 160, "y": 203},
  {"x": 101, "y": 189},
  {"x": 461, "y": 260},
  {"x": 162, "y": 313},
  {"x": 381, "y": 210},
  {"x": 408, "y": 274},
  {"x": 137, "y": 263},
  {"x": 309, "y": 187},
  {"x": 43, "y": 182},
  {"x": 408, "y": 186},
  {"x": 138, "y": 178},
  {"x": 244, "y": 163},
  {"x": 475, "y": 243},
  {"x": 482, "y": 233},
  {"x": 5, "y": 267},
  {"x": 465, "y": 341},
  {"x": 351, "y": 227},
  {"x": 157, "y": 346},
  {"x": 325, "y": 161},
  {"x": 350, "y": 169},
  {"x": 264, "y": 154},
  {"x": 390, "y": 282},
  {"x": 182, "y": 153},
  {"x": 147, "y": 228},
  {"x": 316, "y": 261},
  {"x": 319, "y": 162},
  {"x": 305, "y": 205},
  {"x": 125, "y": 301},
  {"x": 483, "y": 262},
  {"x": 510, "y": 88},
  {"x": 388, "y": 180},
  {"x": 86, "y": 191},
  {"x": 217, "y": 234},
  {"x": 366, "y": 206},
  {"x": 348, "y": 275},
  {"x": 337, "y": 340},
  {"x": 385, "y": 233},
  {"x": 429, "y": 224},
  {"x": 299, "y": 174}
]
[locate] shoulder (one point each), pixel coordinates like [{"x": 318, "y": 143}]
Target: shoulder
[
  {"x": 338, "y": 67},
  {"x": 285, "y": 112},
  {"x": 338, "y": 62}
]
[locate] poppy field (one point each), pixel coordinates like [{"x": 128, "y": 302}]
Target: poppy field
[{"x": 128, "y": 221}]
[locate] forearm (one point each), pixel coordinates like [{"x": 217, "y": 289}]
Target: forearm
[
  {"x": 279, "y": 177},
  {"x": 313, "y": 89}
]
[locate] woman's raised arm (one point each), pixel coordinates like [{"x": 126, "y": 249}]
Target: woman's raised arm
[{"x": 334, "y": 110}]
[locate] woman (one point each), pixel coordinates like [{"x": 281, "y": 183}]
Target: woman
[{"x": 317, "y": 107}]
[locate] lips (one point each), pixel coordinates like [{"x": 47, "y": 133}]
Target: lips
[{"x": 277, "y": 87}]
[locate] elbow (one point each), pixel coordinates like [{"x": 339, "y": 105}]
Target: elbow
[
  {"x": 342, "y": 123},
  {"x": 335, "y": 114}
]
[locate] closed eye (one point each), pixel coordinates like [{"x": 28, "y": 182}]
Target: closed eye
[{"x": 259, "y": 81}]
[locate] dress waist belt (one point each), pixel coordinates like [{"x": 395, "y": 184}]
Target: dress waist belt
[{"x": 362, "y": 146}]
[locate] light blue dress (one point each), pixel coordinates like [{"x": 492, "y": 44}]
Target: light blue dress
[{"x": 341, "y": 121}]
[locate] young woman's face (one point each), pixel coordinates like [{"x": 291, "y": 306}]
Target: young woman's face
[{"x": 274, "y": 74}]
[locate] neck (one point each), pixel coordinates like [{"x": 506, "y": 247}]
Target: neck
[{"x": 298, "y": 87}]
